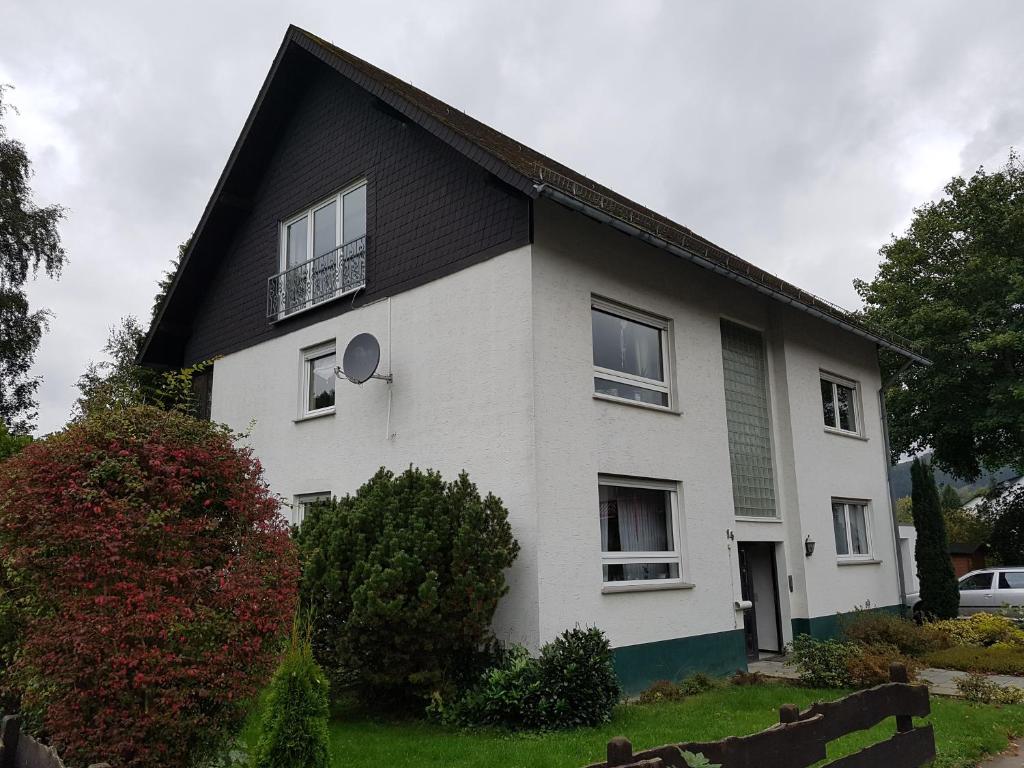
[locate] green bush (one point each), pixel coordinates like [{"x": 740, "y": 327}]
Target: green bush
[
  {"x": 661, "y": 690},
  {"x": 980, "y": 689},
  {"x": 870, "y": 665},
  {"x": 571, "y": 684},
  {"x": 696, "y": 683},
  {"x": 823, "y": 663},
  {"x": 578, "y": 679},
  {"x": 879, "y": 628},
  {"x": 981, "y": 630},
  {"x": 402, "y": 580},
  {"x": 996, "y": 660},
  {"x": 294, "y": 727}
]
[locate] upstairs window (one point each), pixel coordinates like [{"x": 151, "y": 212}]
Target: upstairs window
[
  {"x": 318, "y": 380},
  {"x": 337, "y": 221},
  {"x": 630, "y": 354},
  {"x": 839, "y": 404},
  {"x": 323, "y": 254}
]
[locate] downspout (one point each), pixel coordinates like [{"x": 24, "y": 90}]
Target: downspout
[{"x": 887, "y": 452}]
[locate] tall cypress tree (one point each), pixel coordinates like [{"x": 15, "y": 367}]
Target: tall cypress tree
[{"x": 940, "y": 594}]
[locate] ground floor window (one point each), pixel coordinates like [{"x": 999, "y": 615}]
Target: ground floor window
[
  {"x": 639, "y": 530},
  {"x": 304, "y": 501},
  {"x": 850, "y": 523}
]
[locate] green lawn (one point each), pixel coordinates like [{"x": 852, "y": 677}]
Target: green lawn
[{"x": 964, "y": 732}]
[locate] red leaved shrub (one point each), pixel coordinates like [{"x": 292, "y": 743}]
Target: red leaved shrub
[{"x": 155, "y": 580}]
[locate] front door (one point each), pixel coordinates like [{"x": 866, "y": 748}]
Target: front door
[
  {"x": 747, "y": 593},
  {"x": 758, "y": 584}
]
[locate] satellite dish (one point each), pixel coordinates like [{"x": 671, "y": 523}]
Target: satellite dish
[{"x": 361, "y": 358}]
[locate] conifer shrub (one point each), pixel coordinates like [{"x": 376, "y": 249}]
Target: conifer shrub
[
  {"x": 402, "y": 580},
  {"x": 940, "y": 593},
  {"x": 153, "y": 579},
  {"x": 294, "y": 728}
]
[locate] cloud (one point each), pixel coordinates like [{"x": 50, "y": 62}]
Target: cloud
[{"x": 797, "y": 134}]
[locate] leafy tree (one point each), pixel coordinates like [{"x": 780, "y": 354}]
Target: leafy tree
[
  {"x": 11, "y": 444},
  {"x": 949, "y": 499},
  {"x": 29, "y": 239},
  {"x": 953, "y": 284},
  {"x": 904, "y": 510},
  {"x": 294, "y": 727},
  {"x": 118, "y": 381},
  {"x": 150, "y": 576},
  {"x": 1007, "y": 516},
  {"x": 940, "y": 596},
  {"x": 402, "y": 580}
]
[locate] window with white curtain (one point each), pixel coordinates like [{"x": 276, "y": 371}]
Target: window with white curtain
[
  {"x": 639, "y": 530},
  {"x": 748, "y": 421},
  {"x": 850, "y": 524},
  {"x": 318, "y": 380},
  {"x": 631, "y": 354}
]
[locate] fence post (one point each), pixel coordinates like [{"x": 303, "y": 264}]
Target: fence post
[
  {"x": 898, "y": 674},
  {"x": 10, "y": 733},
  {"x": 620, "y": 752},
  {"x": 789, "y": 713}
]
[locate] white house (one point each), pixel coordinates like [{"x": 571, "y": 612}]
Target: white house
[{"x": 673, "y": 430}]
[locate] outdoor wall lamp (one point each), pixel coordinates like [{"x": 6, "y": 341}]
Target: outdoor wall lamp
[{"x": 809, "y": 545}]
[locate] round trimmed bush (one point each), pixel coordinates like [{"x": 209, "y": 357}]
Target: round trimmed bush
[
  {"x": 402, "y": 580},
  {"x": 154, "y": 578}
]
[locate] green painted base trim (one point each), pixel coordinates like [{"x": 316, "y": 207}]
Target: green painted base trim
[
  {"x": 828, "y": 627},
  {"x": 718, "y": 653}
]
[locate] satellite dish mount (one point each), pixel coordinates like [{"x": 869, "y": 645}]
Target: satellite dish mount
[{"x": 360, "y": 361}]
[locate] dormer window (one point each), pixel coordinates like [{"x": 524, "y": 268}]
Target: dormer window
[{"x": 322, "y": 254}]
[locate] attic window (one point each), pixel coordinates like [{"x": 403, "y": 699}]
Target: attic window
[{"x": 322, "y": 254}]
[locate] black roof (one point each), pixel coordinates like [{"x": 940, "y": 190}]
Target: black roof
[{"x": 518, "y": 165}]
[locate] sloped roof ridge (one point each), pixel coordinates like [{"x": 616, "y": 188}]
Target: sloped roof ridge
[{"x": 543, "y": 170}]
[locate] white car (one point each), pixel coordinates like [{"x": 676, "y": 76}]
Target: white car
[{"x": 990, "y": 589}]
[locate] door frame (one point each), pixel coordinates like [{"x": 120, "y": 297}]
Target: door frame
[{"x": 747, "y": 593}]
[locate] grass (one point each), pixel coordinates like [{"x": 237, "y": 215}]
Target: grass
[
  {"x": 964, "y": 732},
  {"x": 995, "y": 661}
]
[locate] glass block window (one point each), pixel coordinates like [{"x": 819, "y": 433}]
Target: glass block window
[{"x": 747, "y": 421}]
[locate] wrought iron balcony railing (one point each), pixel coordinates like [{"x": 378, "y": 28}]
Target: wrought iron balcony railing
[{"x": 320, "y": 279}]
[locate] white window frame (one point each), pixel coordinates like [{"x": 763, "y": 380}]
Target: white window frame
[
  {"x": 307, "y": 357},
  {"x": 302, "y": 500},
  {"x": 866, "y": 504},
  {"x": 640, "y": 558},
  {"x": 664, "y": 327},
  {"x": 834, "y": 379},
  {"x": 337, "y": 198}
]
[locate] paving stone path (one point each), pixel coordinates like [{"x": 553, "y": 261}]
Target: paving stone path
[{"x": 941, "y": 682}]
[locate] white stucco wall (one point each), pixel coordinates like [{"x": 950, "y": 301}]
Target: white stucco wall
[
  {"x": 493, "y": 373},
  {"x": 580, "y": 437},
  {"x": 460, "y": 349}
]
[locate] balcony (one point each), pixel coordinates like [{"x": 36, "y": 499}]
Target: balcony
[{"x": 318, "y": 280}]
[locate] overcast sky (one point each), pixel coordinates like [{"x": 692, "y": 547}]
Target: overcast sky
[{"x": 799, "y": 135}]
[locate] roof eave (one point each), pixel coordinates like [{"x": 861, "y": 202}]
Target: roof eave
[{"x": 545, "y": 190}]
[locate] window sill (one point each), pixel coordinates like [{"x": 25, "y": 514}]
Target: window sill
[
  {"x": 312, "y": 416},
  {"x": 655, "y": 586},
  {"x": 637, "y": 404},
  {"x": 841, "y": 433},
  {"x": 852, "y": 561},
  {"x": 750, "y": 519}
]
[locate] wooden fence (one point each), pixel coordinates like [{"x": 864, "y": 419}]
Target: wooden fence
[
  {"x": 801, "y": 737},
  {"x": 19, "y": 750}
]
